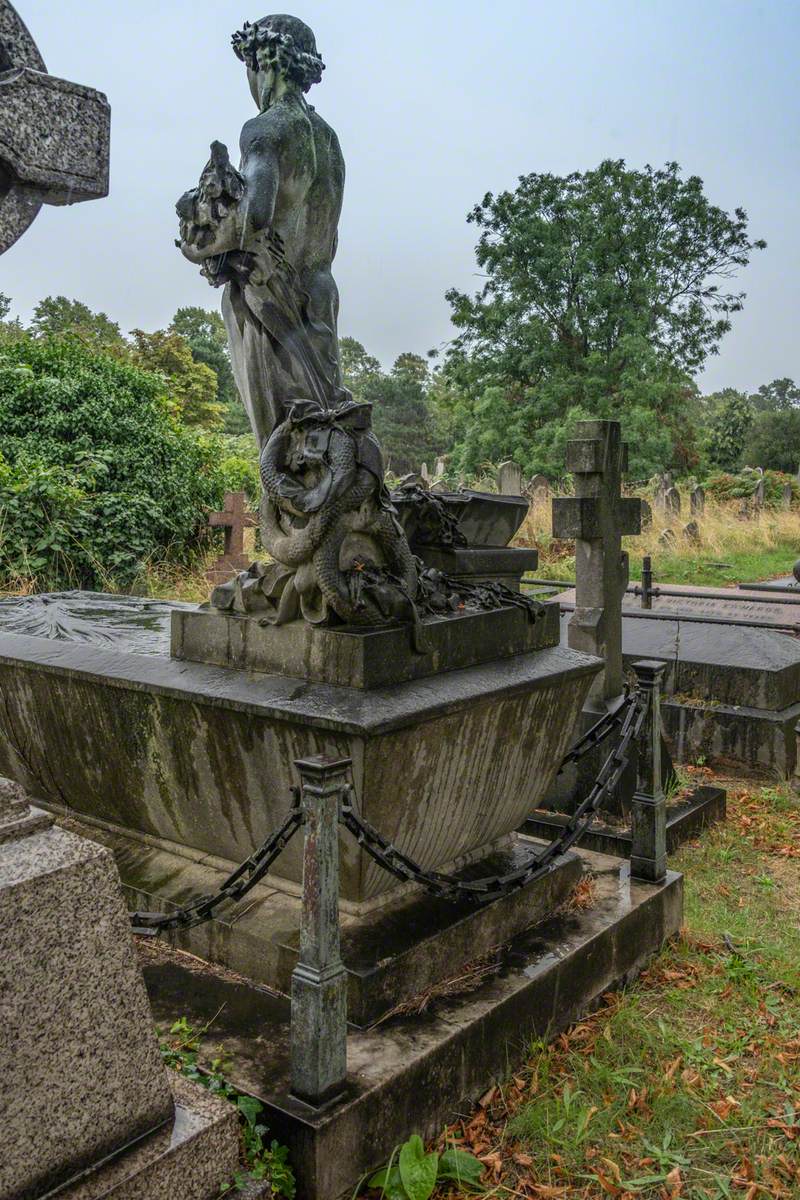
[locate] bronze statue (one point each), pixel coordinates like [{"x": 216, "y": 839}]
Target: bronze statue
[{"x": 268, "y": 232}]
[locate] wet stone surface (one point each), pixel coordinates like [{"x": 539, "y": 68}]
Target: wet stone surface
[{"x": 130, "y": 624}]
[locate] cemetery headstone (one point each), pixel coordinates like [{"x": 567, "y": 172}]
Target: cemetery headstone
[
  {"x": 538, "y": 489},
  {"x": 759, "y": 495},
  {"x": 786, "y": 495},
  {"x": 672, "y": 501},
  {"x": 597, "y": 517},
  {"x": 441, "y": 467},
  {"x": 235, "y": 518},
  {"x": 647, "y": 514},
  {"x": 691, "y": 532},
  {"x": 425, "y": 473},
  {"x": 509, "y": 479},
  {"x": 667, "y": 539},
  {"x": 697, "y": 501}
]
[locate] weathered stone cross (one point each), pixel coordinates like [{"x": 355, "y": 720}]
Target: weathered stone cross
[
  {"x": 54, "y": 135},
  {"x": 234, "y": 519},
  {"x": 597, "y": 517}
]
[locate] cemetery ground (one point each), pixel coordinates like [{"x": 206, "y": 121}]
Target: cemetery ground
[{"x": 687, "y": 1083}]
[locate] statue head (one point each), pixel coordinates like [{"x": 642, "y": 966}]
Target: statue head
[{"x": 278, "y": 50}]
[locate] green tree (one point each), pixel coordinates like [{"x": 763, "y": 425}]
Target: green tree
[
  {"x": 357, "y": 365},
  {"x": 401, "y": 417},
  {"x": 604, "y": 291},
  {"x": 729, "y": 428},
  {"x": 778, "y": 396},
  {"x": 5, "y": 306},
  {"x": 56, "y": 316},
  {"x": 204, "y": 330},
  {"x": 192, "y": 385},
  {"x": 773, "y": 440}
]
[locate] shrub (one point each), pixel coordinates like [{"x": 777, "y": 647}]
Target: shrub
[
  {"x": 724, "y": 486},
  {"x": 97, "y": 476}
]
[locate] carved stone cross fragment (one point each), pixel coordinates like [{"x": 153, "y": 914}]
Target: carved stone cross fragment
[{"x": 597, "y": 517}]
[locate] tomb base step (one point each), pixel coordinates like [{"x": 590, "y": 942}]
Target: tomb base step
[
  {"x": 416, "y": 1071},
  {"x": 391, "y": 953}
]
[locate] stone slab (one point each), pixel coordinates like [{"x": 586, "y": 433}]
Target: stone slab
[
  {"x": 191, "y": 1158},
  {"x": 355, "y": 657},
  {"x": 203, "y": 756},
  {"x": 416, "y": 1073},
  {"x": 727, "y": 664},
  {"x": 76, "y": 1036},
  {"x": 704, "y": 807},
  {"x": 721, "y": 604},
  {"x": 391, "y": 952},
  {"x": 733, "y": 736}
]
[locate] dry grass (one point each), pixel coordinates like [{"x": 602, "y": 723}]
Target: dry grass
[{"x": 730, "y": 546}]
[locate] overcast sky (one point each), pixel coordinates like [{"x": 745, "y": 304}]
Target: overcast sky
[{"x": 435, "y": 103}]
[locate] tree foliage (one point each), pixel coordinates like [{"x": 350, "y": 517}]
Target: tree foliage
[
  {"x": 56, "y": 316},
  {"x": 729, "y": 427},
  {"x": 604, "y": 291},
  {"x": 204, "y": 331},
  {"x": 191, "y": 385},
  {"x": 96, "y": 474}
]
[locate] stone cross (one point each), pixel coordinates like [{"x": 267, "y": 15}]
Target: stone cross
[
  {"x": 54, "y": 135},
  {"x": 234, "y": 519},
  {"x": 597, "y": 517}
]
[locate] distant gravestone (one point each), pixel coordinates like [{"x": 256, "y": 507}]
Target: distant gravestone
[
  {"x": 647, "y": 515},
  {"x": 759, "y": 494},
  {"x": 786, "y": 495},
  {"x": 672, "y": 501},
  {"x": 441, "y": 466},
  {"x": 697, "y": 501},
  {"x": 667, "y": 539},
  {"x": 425, "y": 473},
  {"x": 509, "y": 479},
  {"x": 691, "y": 532},
  {"x": 538, "y": 488}
]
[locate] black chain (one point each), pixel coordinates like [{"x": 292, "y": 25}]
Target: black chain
[
  {"x": 596, "y": 734},
  {"x": 237, "y": 885},
  {"x": 629, "y": 716},
  {"x": 491, "y": 887}
]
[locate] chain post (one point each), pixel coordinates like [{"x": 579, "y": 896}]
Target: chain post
[
  {"x": 649, "y": 808},
  {"x": 647, "y": 582},
  {"x": 319, "y": 981}
]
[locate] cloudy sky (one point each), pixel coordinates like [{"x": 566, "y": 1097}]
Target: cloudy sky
[{"x": 435, "y": 102}]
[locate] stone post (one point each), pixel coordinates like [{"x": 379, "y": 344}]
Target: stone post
[
  {"x": 319, "y": 981},
  {"x": 597, "y": 516},
  {"x": 649, "y": 806}
]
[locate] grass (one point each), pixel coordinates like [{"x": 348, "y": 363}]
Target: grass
[
  {"x": 730, "y": 548},
  {"x": 687, "y": 1084}
]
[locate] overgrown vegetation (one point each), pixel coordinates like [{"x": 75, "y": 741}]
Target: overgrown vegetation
[
  {"x": 98, "y": 476},
  {"x": 261, "y": 1159}
]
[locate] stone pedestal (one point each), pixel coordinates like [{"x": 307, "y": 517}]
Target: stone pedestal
[{"x": 85, "y": 1087}]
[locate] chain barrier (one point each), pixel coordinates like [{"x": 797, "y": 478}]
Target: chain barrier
[
  {"x": 491, "y": 887},
  {"x": 237, "y": 885},
  {"x": 628, "y": 716}
]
